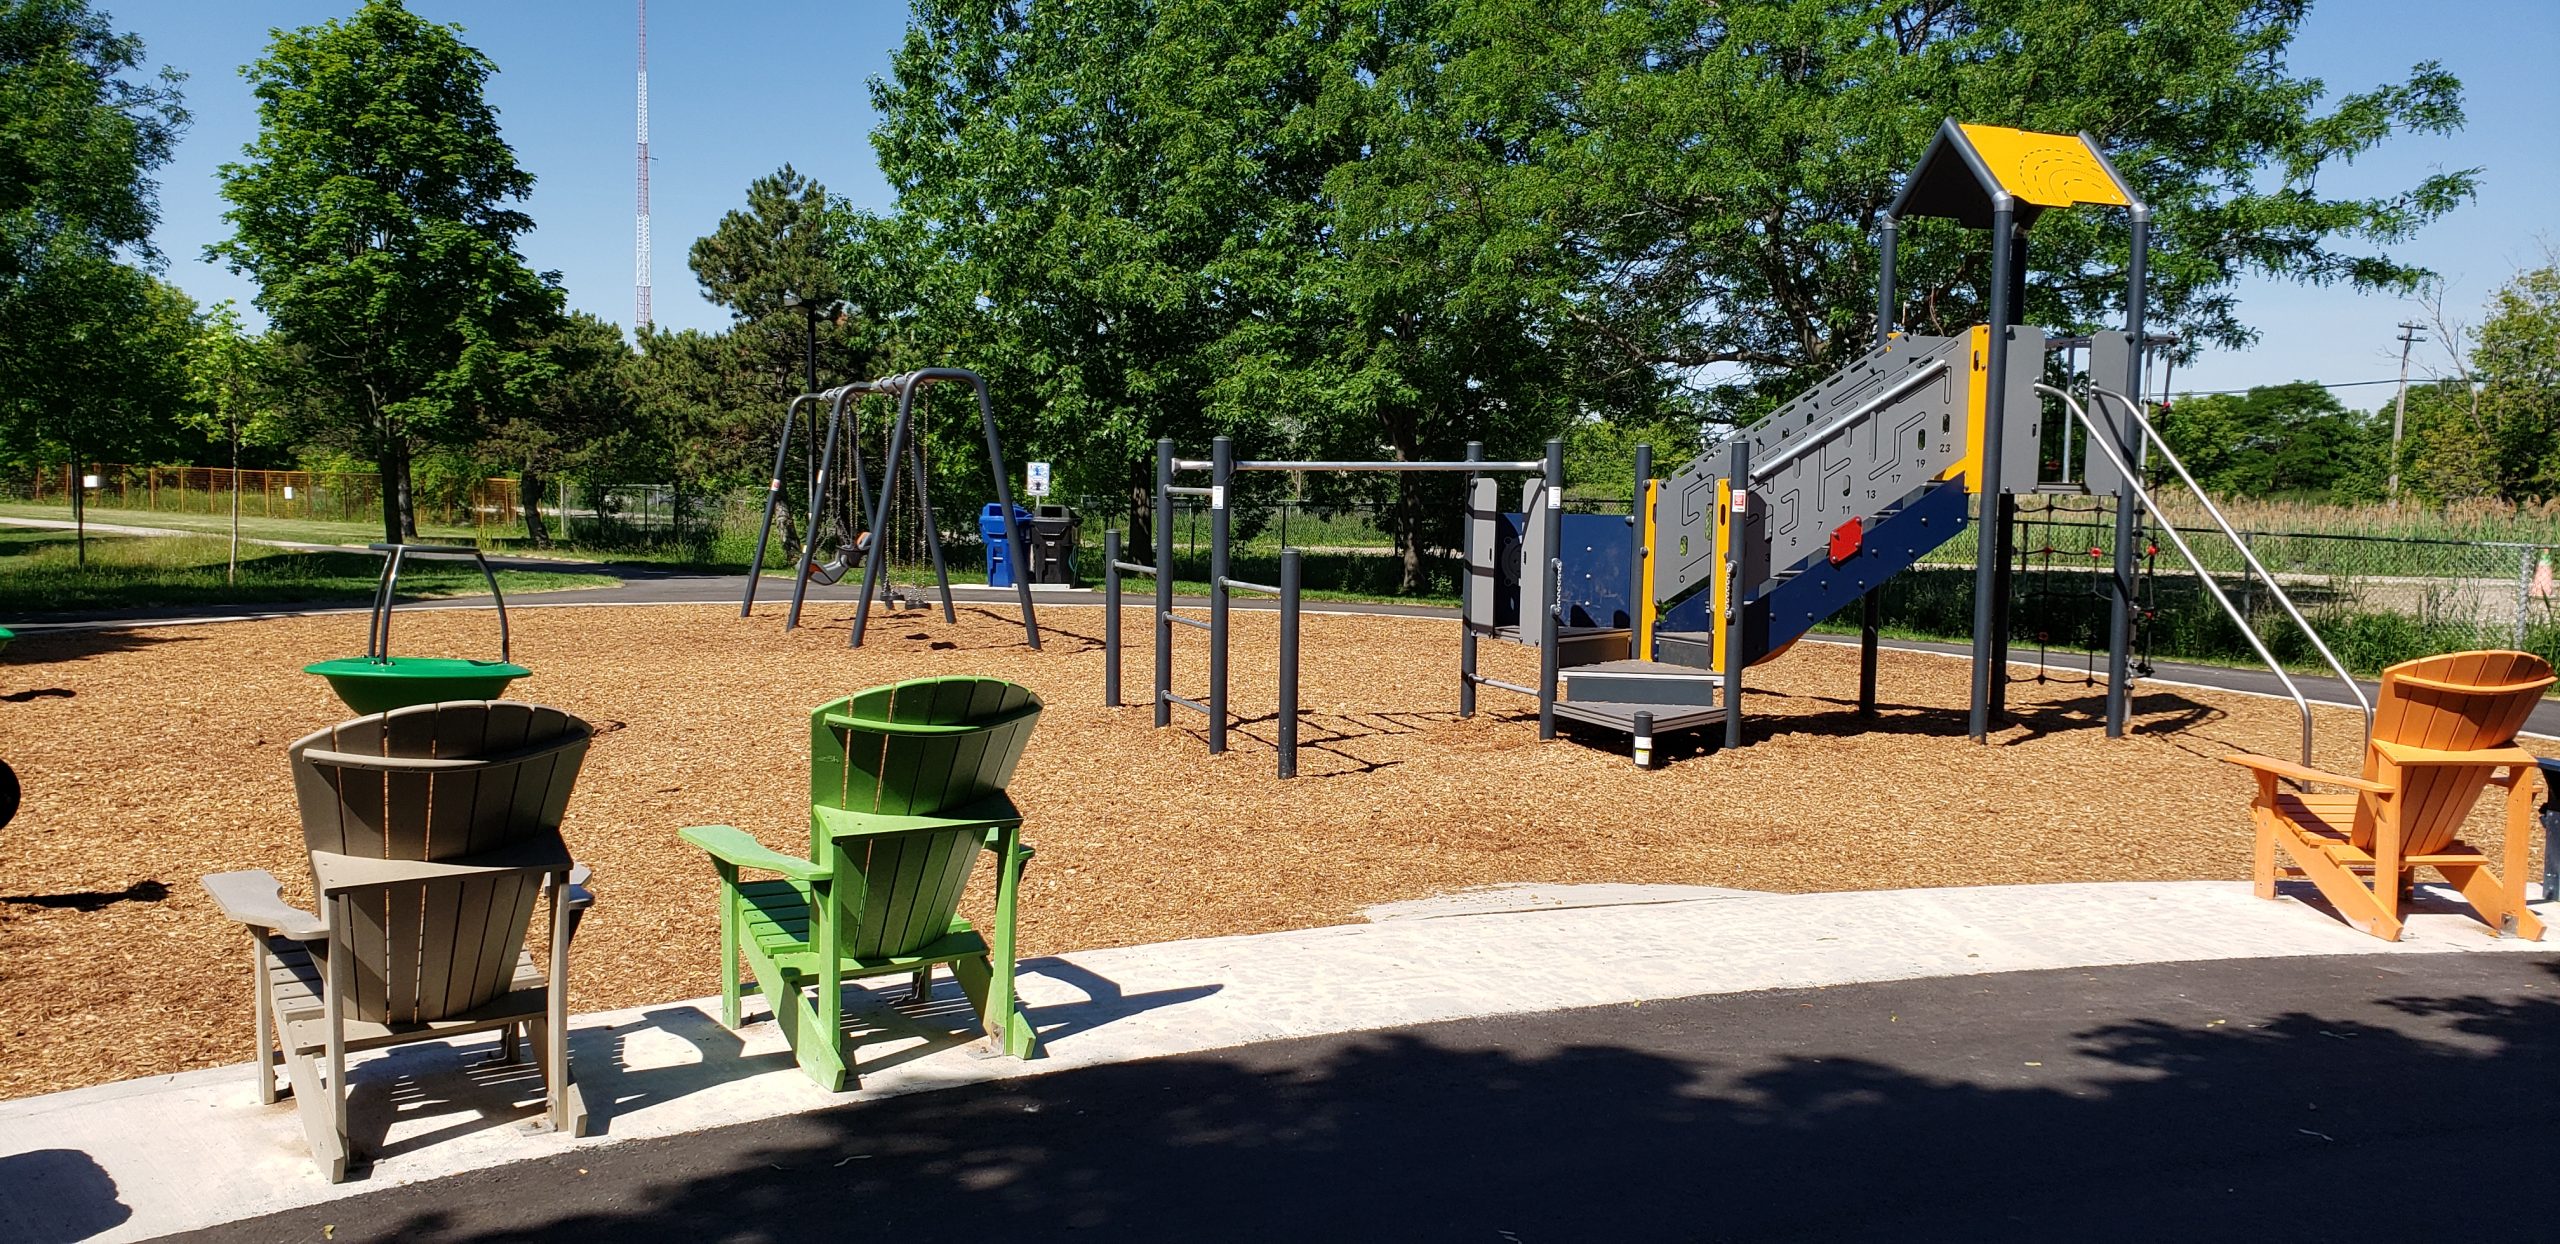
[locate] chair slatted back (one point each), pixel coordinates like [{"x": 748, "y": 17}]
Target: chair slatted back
[
  {"x": 2457, "y": 702},
  {"x": 431, "y": 950},
  {"x": 911, "y": 748}
]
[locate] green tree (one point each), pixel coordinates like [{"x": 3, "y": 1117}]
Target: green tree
[
  {"x": 374, "y": 211},
  {"x": 773, "y": 265},
  {"x": 2286, "y": 440},
  {"x": 112, "y": 343},
  {"x": 1711, "y": 172},
  {"x": 80, "y": 133},
  {"x": 230, "y": 377},
  {"x": 2492, "y": 432},
  {"x": 573, "y": 414}
]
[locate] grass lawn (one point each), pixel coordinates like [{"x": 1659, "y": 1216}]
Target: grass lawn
[{"x": 40, "y": 573}]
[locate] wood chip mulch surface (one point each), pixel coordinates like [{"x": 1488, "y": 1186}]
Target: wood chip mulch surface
[{"x": 153, "y": 756}]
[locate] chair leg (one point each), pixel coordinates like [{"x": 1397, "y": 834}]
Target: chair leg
[
  {"x": 920, "y": 990},
  {"x": 2264, "y": 873},
  {"x": 2356, "y": 903},
  {"x": 263, "y": 1002}
]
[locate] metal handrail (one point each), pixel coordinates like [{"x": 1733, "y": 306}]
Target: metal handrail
[
  {"x": 1902, "y": 387},
  {"x": 2274, "y": 588},
  {"x": 2099, "y": 440}
]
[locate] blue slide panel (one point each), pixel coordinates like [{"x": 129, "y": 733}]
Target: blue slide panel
[
  {"x": 1599, "y": 561},
  {"x": 1822, "y": 589}
]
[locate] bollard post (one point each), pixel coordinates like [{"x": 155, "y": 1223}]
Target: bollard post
[
  {"x": 1111, "y": 618},
  {"x": 1222, "y": 458},
  {"x": 1289, "y": 663},
  {"x": 1644, "y": 740}
]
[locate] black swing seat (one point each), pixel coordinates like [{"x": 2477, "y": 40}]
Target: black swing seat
[{"x": 847, "y": 552}]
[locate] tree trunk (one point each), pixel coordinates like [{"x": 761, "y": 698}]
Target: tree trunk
[
  {"x": 1408, "y": 515},
  {"x": 529, "y": 495}
]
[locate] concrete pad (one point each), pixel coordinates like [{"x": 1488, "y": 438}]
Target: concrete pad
[{"x": 146, "y": 1157}]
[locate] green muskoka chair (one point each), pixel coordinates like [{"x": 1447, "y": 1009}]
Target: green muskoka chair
[{"x": 906, "y": 787}]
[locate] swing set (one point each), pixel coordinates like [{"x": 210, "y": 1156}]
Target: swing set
[{"x": 840, "y": 499}]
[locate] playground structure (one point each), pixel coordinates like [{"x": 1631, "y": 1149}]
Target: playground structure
[
  {"x": 1645, "y": 624},
  {"x": 378, "y": 682},
  {"x": 832, "y": 497},
  {"x": 1546, "y": 496}
]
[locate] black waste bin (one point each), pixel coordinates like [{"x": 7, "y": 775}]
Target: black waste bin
[{"x": 1053, "y": 544}]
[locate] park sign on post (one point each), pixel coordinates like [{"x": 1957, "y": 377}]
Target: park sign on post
[{"x": 1038, "y": 483}]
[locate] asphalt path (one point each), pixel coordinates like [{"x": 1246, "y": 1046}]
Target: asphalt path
[{"x": 2357, "y": 1097}]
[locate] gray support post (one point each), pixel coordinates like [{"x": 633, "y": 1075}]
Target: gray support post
[
  {"x": 801, "y": 565},
  {"x": 1548, "y": 655},
  {"x": 871, "y": 554},
  {"x": 2003, "y": 585},
  {"x": 1111, "y": 618},
  {"x": 1738, "y": 470},
  {"x": 1887, "y": 243},
  {"x": 1164, "y": 583},
  {"x": 1004, "y": 498},
  {"x": 772, "y": 502},
  {"x": 2120, "y": 602},
  {"x": 1467, "y": 559},
  {"x": 1288, "y": 723},
  {"x": 933, "y": 531},
  {"x": 1870, "y": 614},
  {"x": 1644, "y": 740},
  {"x": 1637, "y": 521},
  {"x": 2550, "y": 827},
  {"x": 1989, "y": 551},
  {"x": 1222, "y": 469}
]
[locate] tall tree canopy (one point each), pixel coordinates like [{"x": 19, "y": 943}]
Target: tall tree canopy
[
  {"x": 773, "y": 265},
  {"x": 80, "y": 133},
  {"x": 1390, "y": 226},
  {"x": 375, "y": 211}
]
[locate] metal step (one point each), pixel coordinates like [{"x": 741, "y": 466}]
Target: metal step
[
  {"x": 1621, "y": 715},
  {"x": 1641, "y": 682},
  {"x": 1692, "y": 649}
]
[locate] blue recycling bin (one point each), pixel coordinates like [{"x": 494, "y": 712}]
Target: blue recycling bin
[{"x": 991, "y": 534}]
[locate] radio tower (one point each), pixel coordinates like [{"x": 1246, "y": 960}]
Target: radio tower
[{"x": 640, "y": 241}]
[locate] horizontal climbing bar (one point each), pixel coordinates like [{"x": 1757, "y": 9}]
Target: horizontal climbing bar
[
  {"x": 1199, "y": 464},
  {"x": 1186, "y": 701},
  {"x": 1500, "y": 685},
  {"x": 1184, "y": 490},
  {"x": 1173, "y": 617},
  {"x": 1239, "y": 585},
  {"x": 1134, "y": 568}
]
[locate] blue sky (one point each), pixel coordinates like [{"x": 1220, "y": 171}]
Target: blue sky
[{"x": 737, "y": 91}]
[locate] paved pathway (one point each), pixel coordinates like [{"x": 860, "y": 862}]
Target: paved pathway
[
  {"x": 2243, "y": 1100},
  {"x": 128, "y": 1161}
]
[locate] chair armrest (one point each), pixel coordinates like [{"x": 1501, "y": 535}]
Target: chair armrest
[
  {"x": 994, "y": 812},
  {"x": 731, "y": 845},
  {"x": 579, "y": 897},
  {"x": 995, "y": 835},
  {"x": 2403, "y": 754},
  {"x": 253, "y": 898},
  {"x": 340, "y": 873},
  {"x": 2303, "y": 773}
]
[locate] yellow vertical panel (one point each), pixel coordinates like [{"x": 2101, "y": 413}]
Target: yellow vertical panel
[
  {"x": 1724, "y": 549},
  {"x": 2048, "y": 170},
  {"x": 1647, "y": 531},
  {"x": 1977, "y": 381}
]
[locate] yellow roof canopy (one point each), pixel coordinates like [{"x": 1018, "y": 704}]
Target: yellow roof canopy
[{"x": 1968, "y": 164}]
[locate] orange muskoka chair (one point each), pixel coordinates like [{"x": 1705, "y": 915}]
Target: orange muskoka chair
[{"x": 2443, "y": 729}]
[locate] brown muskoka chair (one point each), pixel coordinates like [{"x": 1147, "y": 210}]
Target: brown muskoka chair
[
  {"x": 2444, "y": 728},
  {"x": 432, "y": 831}
]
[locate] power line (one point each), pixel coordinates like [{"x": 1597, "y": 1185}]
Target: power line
[{"x": 2317, "y": 384}]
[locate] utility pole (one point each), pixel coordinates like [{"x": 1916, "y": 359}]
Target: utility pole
[{"x": 2411, "y": 333}]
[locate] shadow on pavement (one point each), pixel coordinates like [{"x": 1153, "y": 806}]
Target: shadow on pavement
[{"x": 2173, "y": 1101}]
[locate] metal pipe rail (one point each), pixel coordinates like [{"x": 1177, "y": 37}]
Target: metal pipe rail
[
  {"x": 378, "y": 631},
  {"x": 1239, "y": 585},
  {"x": 1203, "y": 464},
  {"x": 2247, "y": 555},
  {"x": 2099, "y": 440},
  {"x": 1499, "y": 685},
  {"x": 1900, "y": 389}
]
